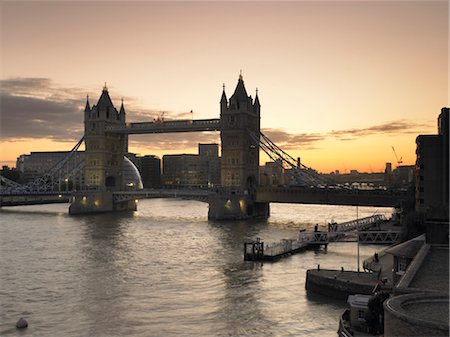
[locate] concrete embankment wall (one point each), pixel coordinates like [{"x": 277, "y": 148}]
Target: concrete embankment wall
[
  {"x": 339, "y": 284},
  {"x": 420, "y": 315}
]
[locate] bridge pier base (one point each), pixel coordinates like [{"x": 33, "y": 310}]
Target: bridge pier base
[
  {"x": 235, "y": 206},
  {"x": 84, "y": 202}
]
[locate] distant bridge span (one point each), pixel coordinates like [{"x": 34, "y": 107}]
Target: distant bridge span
[{"x": 326, "y": 196}]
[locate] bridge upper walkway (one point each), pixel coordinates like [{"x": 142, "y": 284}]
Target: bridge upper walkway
[{"x": 187, "y": 125}]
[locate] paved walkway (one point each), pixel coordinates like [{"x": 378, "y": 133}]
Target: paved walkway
[{"x": 385, "y": 263}]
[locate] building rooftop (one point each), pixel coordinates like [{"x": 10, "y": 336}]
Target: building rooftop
[
  {"x": 433, "y": 273},
  {"x": 422, "y": 310},
  {"x": 358, "y": 300},
  {"x": 408, "y": 248}
]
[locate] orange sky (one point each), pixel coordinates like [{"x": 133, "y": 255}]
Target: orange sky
[{"x": 340, "y": 83}]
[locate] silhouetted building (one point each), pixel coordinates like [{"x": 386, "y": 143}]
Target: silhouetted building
[
  {"x": 183, "y": 170},
  {"x": 191, "y": 170},
  {"x": 150, "y": 168},
  {"x": 36, "y": 164},
  {"x": 210, "y": 154},
  {"x": 272, "y": 174},
  {"x": 432, "y": 172},
  {"x": 388, "y": 174},
  {"x": 403, "y": 176}
]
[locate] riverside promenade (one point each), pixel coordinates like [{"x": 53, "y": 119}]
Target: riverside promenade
[{"x": 376, "y": 274}]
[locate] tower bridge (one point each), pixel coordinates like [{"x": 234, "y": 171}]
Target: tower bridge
[{"x": 101, "y": 182}]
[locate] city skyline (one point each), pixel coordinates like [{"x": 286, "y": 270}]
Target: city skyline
[{"x": 340, "y": 83}]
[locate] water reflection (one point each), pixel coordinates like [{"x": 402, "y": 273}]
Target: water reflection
[
  {"x": 105, "y": 253},
  {"x": 241, "y": 307},
  {"x": 164, "y": 271}
]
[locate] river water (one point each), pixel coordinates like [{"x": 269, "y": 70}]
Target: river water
[{"x": 164, "y": 270}]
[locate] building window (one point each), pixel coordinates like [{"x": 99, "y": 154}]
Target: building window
[
  {"x": 401, "y": 266},
  {"x": 94, "y": 179},
  {"x": 361, "y": 315}
]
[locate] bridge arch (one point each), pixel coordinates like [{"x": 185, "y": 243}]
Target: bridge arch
[{"x": 110, "y": 181}]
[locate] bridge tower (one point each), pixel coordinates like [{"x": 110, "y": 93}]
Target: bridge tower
[
  {"x": 104, "y": 156},
  {"x": 239, "y": 118}
]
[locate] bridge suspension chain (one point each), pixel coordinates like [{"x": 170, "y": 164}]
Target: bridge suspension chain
[
  {"x": 60, "y": 173},
  {"x": 8, "y": 183},
  {"x": 303, "y": 175}
]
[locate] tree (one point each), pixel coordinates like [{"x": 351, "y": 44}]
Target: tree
[
  {"x": 375, "y": 316},
  {"x": 10, "y": 173}
]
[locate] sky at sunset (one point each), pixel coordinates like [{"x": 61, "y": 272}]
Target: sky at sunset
[{"x": 340, "y": 82}]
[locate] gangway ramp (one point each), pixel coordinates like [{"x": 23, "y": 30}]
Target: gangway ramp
[{"x": 350, "y": 231}]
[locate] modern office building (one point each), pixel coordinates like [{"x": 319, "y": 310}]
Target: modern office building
[
  {"x": 209, "y": 153},
  {"x": 150, "y": 168},
  {"x": 432, "y": 169},
  {"x": 183, "y": 170},
  {"x": 36, "y": 164},
  {"x": 192, "y": 170},
  {"x": 272, "y": 174}
]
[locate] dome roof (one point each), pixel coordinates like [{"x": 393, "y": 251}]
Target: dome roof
[{"x": 131, "y": 176}]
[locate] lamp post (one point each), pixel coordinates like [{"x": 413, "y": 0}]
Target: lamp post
[{"x": 357, "y": 238}]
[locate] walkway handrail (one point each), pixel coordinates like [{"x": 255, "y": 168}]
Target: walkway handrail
[{"x": 360, "y": 223}]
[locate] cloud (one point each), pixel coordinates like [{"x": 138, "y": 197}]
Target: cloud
[
  {"x": 33, "y": 108},
  {"x": 39, "y": 108},
  {"x": 289, "y": 141},
  {"x": 393, "y": 128}
]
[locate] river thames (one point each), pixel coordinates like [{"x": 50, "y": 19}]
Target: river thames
[{"x": 165, "y": 270}]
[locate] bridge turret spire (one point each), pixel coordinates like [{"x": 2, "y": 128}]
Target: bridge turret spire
[
  {"x": 240, "y": 94},
  {"x": 88, "y": 106},
  {"x": 122, "y": 109},
  {"x": 257, "y": 99},
  {"x": 104, "y": 102},
  {"x": 224, "y": 96}
]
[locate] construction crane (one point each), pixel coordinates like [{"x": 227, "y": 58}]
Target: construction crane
[{"x": 399, "y": 161}]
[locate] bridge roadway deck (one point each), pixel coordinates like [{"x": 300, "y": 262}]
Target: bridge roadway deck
[
  {"x": 187, "y": 125},
  {"x": 263, "y": 194},
  {"x": 305, "y": 195},
  {"x": 33, "y": 198}
]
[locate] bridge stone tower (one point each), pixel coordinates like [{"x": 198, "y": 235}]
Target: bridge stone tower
[
  {"x": 104, "y": 151},
  {"x": 104, "y": 156},
  {"x": 240, "y": 128}
]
